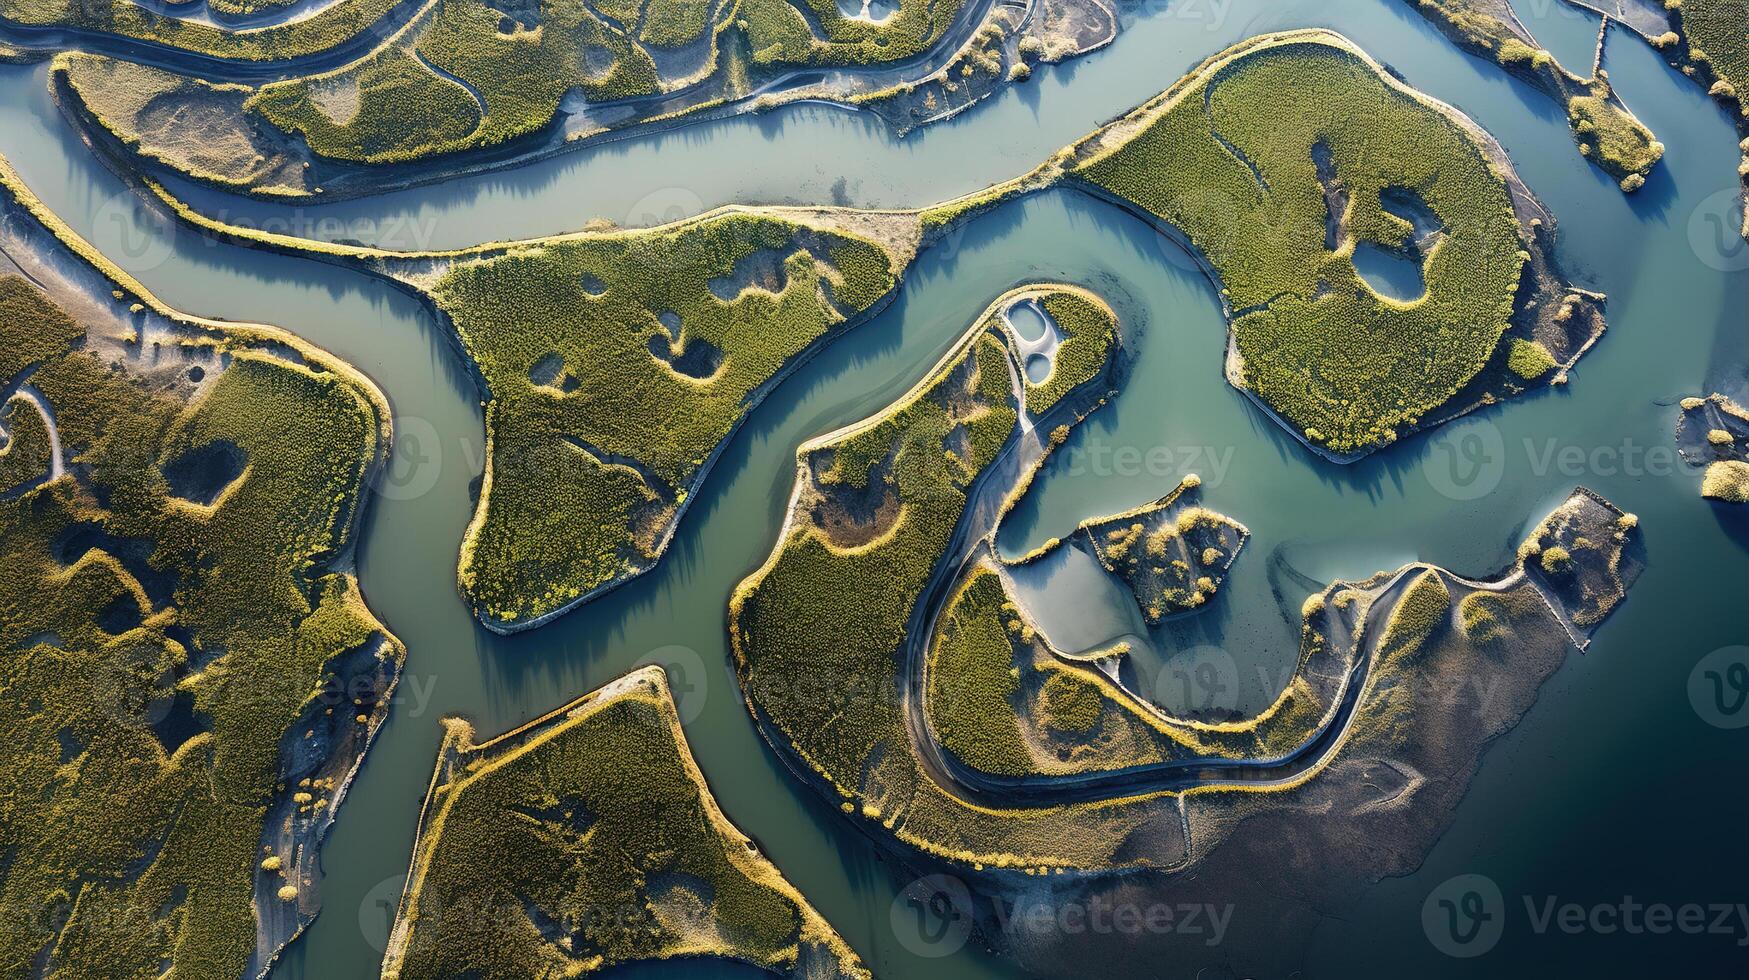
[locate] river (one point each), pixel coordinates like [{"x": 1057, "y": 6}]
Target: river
[{"x": 1560, "y": 807}]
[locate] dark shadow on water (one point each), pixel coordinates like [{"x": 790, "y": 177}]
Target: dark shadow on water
[
  {"x": 448, "y": 200},
  {"x": 1728, "y": 366},
  {"x": 388, "y": 302},
  {"x": 1733, "y": 520},
  {"x": 1653, "y": 201},
  {"x": 1028, "y": 92},
  {"x": 692, "y": 968}
]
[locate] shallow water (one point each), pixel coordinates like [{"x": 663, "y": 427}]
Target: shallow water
[
  {"x": 1028, "y": 320},
  {"x": 1557, "y": 806},
  {"x": 1390, "y": 273},
  {"x": 1077, "y": 604},
  {"x": 1564, "y": 30}
]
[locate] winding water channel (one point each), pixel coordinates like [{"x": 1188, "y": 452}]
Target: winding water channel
[{"x": 1559, "y": 807}]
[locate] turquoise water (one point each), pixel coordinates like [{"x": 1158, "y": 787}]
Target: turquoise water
[
  {"x": 1564, "y": 30},
  {"x": 1559, "y": 807}
]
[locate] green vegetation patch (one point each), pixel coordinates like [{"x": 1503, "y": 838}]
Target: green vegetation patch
[
  {"x": 834, "y": 709},
  {"x": 467, "y": 75},
  {"x": 1529, "y": 359},
  {"x": 26, "y": 444},
  {"x": 617, "y": 365},
  {"x": 1727, "y": 481},
  {"x": 327, "y": 28},
  {"x": 805, "y": 592},
  {"x": 1713, "y": 30},
  {"x": 973, "y": 683},
  {"x": 984, "y": 63},
  {"x": 1617, "y": 141},
  {"x": 1277, "y": 199},
  {"x": 1583, "y": 558},
  {"x": 466, "y": 80},
  {"x": 1007, "y": 705},
  {"x": 247, "y": 8},
  {"x": 1713, "y": 433},
  {"x": 1485, "y": 617},
  {"x": 779, "y": 34},
  {"x": 671, "y": 23},
  {"x": 192, "y": 673},
  {"x": 1607, "y": 133},
  {"x": 1173, "y": 555},
  {"x": 197, "y": 127},
  {"x": 1070, "y": 705},
  {"x": 1088, "y": 330},
  {"x": 390, "y": 108},
  {"x": 588, "y": 840},
  {"x": 1421, "y": 611},
  {"x": 36, "y": 329}
]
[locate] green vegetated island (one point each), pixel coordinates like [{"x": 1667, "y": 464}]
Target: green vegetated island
[
  {"x": 1705, "y": 40},
  {"x": 1606, "y": 131},
  {"x": 588, "y": 840},
  {"x": 1009, "y": 708},
  {"x": 368, "y": 94},
  {"x": 615, "y": 363},
  {"x": 943, "y": 720},
  {"x": 1713, "y": 433},
  {"x": 192, "y": 677}
]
